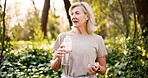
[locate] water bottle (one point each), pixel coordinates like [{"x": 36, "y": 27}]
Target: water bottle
[{"x": 68, "y": 48}]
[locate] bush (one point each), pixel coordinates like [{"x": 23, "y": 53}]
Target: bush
[
  {"x": 129, "y": 63},
  {"x": 27, "y": 63},
  {"x": 124, "y": 60}
]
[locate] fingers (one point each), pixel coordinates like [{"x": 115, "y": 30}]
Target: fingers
[
  {"x": 93, "y": 68},
  {"x": 90, "y": 68},
  {"x": 68, "y": 51},
  {"x": 59, "y": 53}
]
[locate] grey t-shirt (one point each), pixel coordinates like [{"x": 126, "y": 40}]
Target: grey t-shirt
[{"x": 85, "y": 50}]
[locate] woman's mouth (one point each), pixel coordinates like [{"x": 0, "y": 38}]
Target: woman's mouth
[{"x": 75, "y": 22}]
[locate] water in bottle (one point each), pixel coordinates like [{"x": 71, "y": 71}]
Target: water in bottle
[{"x": 68, "y": 47}]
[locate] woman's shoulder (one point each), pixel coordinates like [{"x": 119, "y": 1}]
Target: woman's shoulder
[{"x": 97, "y": 36}]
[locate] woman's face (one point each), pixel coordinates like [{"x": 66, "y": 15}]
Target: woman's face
[{"x": 78, "y": 17}]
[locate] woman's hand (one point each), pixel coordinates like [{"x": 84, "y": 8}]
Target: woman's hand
[
  {"x": 94, "y": 68},
  {"x": 57, "y": 57},
  {"x": 99, "y": 67},
  {"x": 59, "y": 53}
]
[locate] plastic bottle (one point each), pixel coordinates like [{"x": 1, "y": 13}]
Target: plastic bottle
[{"x": 68, "y": 47}]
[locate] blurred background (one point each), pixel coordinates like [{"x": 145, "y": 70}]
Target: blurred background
[{"x": 29, "y": 28}]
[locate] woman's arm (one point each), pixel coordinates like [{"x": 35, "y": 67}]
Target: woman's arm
[
  {"x": 102, "y": 65},
  {"x": 56, "y": 61}
]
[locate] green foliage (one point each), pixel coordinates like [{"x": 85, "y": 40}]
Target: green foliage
[
  {"x": 52, "y": 26},
  {"x": 113, "y": 19},
  {"x": 127, "y": 58},
  {"x": 28, "y": 29},
  {"x": 27, "y": 63},
  {"x": 130, "y": 62},
  {"x": 31, "y": 29}
]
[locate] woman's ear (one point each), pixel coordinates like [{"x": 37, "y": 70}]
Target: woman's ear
[{"x": 87, "y": 18}]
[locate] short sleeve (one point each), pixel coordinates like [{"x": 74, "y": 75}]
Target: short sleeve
[
  {"x": 102, "y": 49},
  {"x": 58, "y": 41}
]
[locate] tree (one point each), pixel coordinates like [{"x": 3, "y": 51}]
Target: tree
[
  {"x": 1, "y": 20},
  {"x": 125, "y": 17},
  {"x": 3, "y": 31},
  {"x": 44, "y": 17},
  {"x": 142, "y": 9},
  {"x": 67, "y": 6},
  {"x": 135, "y": 19}
]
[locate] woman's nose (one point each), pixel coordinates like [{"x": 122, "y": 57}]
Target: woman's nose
[{"x": 73, "y": 16}]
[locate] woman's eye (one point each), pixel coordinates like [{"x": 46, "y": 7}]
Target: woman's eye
[{"x": 77, "y": 13}]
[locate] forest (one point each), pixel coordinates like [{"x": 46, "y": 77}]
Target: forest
[{"x": 26, "y": 45}]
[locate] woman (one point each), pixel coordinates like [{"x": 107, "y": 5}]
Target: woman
[{"x": 88, "y": 55}]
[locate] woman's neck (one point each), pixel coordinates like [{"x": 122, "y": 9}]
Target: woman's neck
[{"x": 79, "y": 30}]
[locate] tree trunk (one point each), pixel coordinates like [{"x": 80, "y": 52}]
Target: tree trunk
[
  {"x": 67, "y": 6},
  {"x": 35, "y": 12},
  {"x": 3, "y": 33},
  {"x": 135, "y": 24},
  {"x": 142, "y": 9},
  {"x": 44, "y": 17},
  {"x": 125, "y": 18}
]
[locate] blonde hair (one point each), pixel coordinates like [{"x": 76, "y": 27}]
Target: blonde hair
[{"x": 88, "y": 10}]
